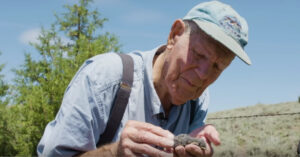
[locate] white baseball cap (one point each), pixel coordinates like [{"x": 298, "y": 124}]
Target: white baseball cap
[{"x": 223, "y": 24}]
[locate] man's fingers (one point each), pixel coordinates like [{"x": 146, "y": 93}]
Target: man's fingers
[
  {"x": 152, "y": 128},
  {"x": 127, "y": 151},
  {"x": 141, "y": 136},
  {"x": 212, "y": 136},
  {"x": 131, "y": 148},
  {"x": 196, "y": 151},
  {"x": 151, "y": 134},
  {"x": 209, "y": 132},
  {"x": 150, "y": 151},
  {"x": 180, "y": 151}
]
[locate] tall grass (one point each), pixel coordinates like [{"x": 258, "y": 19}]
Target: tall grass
[{"x": 273, "y": 136}]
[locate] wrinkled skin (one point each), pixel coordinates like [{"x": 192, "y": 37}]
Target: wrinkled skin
[
  {"x": 139, "y": 138},
  {"x": 190, "y": 63},
  {"x": 209, "y": 134}
]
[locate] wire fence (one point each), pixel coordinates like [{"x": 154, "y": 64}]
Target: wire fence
[{"x": 251, "y": 116}]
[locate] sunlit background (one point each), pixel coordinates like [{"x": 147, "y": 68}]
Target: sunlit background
[{"x": 274, "y": 44}]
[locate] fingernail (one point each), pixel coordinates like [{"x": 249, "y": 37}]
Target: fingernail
[
  {"x": 171, "y": 136},
  {"x": 170, "y": 142}
]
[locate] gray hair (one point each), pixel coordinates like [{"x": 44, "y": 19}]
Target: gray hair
[{"x": 191, "y": 27}]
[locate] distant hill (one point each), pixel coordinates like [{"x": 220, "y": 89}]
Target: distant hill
[{"x": 272, "y": 136}]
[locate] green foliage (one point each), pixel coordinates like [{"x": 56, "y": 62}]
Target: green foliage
[
  {"x": 6, "y": 133},
  {"x": 40, "y": 84},
  {"x": 3, "y": 88}
]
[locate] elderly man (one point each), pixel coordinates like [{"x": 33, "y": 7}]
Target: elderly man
[{"x": 167, "y": 82}]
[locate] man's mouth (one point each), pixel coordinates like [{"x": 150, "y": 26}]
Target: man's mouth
[{"x": 188, "y": 82}]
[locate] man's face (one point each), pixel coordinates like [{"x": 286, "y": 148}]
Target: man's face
[{"x": 193, "y": 63}]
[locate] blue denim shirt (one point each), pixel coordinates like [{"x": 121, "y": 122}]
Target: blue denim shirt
[{"x": 87, "y": 101}]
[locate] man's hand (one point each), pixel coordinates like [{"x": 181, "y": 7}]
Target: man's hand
[
  {"x": 209, "y": 133},
  {"x": 139, "y": 138}
]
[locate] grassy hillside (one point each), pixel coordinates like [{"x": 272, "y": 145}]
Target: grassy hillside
[{"x": 273, "y": 136}]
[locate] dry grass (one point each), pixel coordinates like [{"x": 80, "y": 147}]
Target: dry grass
[{"x": 274, "y": 136}]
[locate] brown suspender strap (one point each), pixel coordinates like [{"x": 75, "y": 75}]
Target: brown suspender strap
[
  {"x": 120, "y": 101},
  {"x": 193, "y": 108}
]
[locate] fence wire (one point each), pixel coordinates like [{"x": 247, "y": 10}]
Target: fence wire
[{"x": 251, "y": 116}]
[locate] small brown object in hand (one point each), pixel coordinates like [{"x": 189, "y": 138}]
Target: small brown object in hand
[{"x": 185, "y": 139}]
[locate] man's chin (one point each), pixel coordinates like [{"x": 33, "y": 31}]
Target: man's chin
[{"x": 178, "y": 101}]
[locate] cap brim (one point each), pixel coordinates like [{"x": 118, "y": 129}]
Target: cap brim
[{"x": 216, "y": 33}]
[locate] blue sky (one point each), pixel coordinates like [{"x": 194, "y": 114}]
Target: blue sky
[{"x": 274, "y": 44}]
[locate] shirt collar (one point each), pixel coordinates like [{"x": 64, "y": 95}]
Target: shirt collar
[{"x": 152, "y": 99}]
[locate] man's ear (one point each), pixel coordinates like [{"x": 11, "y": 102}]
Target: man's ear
[{"x": 177, "y": 29}]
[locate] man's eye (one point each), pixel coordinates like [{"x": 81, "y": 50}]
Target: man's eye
[{"x": 197, "y": 54}]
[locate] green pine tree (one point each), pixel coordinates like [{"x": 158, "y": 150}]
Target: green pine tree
[
  {"x": 3, "y": 88},
  {"x": 40, "y": 84},
  {"x": 6, "y": 132}
]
